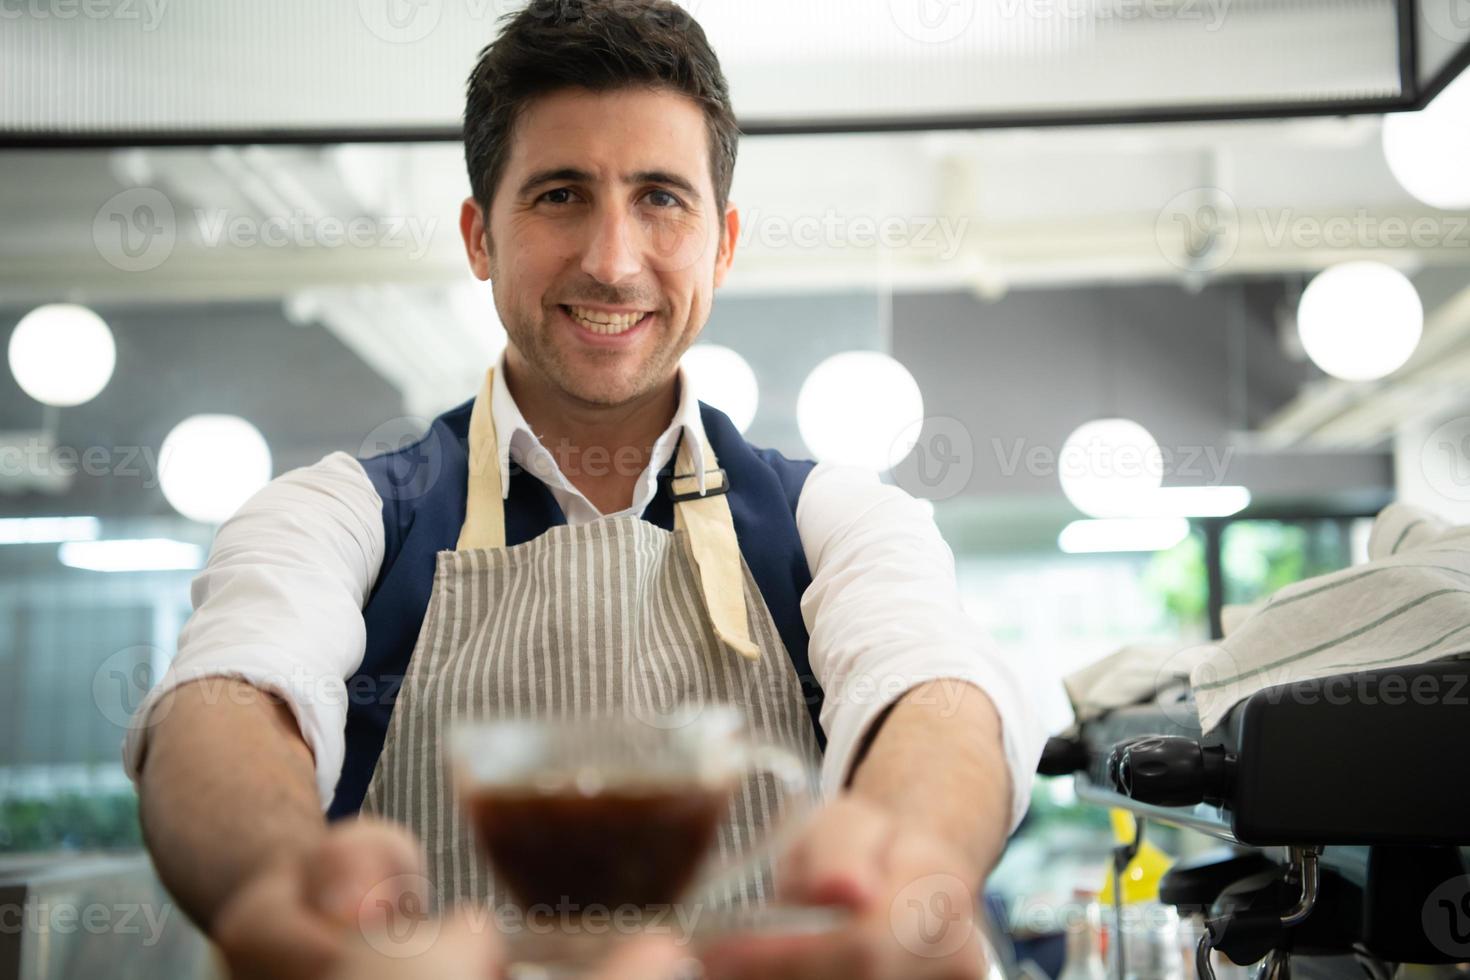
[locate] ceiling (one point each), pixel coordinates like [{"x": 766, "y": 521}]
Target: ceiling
[{"x": 395, "y": 68}]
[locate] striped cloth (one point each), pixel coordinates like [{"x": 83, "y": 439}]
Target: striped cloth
[{"x": 1409, "y": 604}]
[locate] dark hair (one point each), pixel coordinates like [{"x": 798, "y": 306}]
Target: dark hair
[{"x": 599, "y": 45}]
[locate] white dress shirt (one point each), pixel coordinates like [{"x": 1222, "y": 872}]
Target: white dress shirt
[{"x": 279, "y": 603}]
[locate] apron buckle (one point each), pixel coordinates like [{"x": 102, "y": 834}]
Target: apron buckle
[{"x": 709, "y": 491}]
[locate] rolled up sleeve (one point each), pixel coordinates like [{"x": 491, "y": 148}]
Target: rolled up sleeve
[
  {"x": 279, "y": 605},
  {"x": 884, "y": 615}
]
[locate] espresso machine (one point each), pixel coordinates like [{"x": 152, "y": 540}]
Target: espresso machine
[{"x": 1342, "y": 805}]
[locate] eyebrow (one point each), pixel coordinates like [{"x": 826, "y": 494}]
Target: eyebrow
[{"x": 572, "y": 175}]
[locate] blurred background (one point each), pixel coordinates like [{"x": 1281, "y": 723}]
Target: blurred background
[{"x": 1165, "y": 299}]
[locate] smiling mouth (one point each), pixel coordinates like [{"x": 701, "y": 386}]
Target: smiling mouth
[{"x": 604, "y": 323}]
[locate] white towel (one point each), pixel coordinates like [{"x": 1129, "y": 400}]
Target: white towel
[
  {"x": 1409, "y": 604},
  {"x": 1130, "y": 675}
]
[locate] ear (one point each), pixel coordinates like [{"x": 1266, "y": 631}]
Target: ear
[
  {"x": 473, "y": 228},
  {"x": 729, "y": 235}
]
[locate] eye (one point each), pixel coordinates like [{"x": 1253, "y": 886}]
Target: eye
[
  {"x": 559, "y": 195},
  {"x": 660, "y": 198}
]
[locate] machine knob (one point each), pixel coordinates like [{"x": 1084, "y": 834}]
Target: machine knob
[{"x": 1170, "y": 770}]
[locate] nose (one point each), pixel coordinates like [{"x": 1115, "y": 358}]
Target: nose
[{"x": 612, "y": 254}]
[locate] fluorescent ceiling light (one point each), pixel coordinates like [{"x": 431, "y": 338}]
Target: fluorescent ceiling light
[
  {"x": 136, "y": 555},
  {"x": 1122, "y": 534},
  {"x": 1195, "y": 502},
  {"x": 48, "y": 530}
]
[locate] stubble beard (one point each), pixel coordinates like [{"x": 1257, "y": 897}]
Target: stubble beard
[{"x": 591, "y": 386}]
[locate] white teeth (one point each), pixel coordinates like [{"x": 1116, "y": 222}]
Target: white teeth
[{"x": 605, "y": 323}]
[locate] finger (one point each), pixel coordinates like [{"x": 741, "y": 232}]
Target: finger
[
  {"x": 459, "y": 948},
  {"x": 367, "y": 867},
  {"x": 840, "y": 857},
  {"x": 839, "y": 957},
  {"x": 263, "y": 933},
  {"x": 646, "y": 958}
]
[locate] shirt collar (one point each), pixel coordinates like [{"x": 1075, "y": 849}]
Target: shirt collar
[{"x": 517, "y": 441}]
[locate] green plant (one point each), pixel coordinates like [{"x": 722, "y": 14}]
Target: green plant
[{"x": 70, "y": 821}]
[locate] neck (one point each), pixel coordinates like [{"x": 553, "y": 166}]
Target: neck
[{"x": 601, "y": 449}]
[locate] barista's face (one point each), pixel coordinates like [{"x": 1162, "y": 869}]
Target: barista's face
[{"x": 605, "y": 245}]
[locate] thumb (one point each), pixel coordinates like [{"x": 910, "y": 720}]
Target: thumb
[
  {"x": 839, "y": 858},
  {"x": 367, "y": 869},
  {"x": 648, "y": 958}
]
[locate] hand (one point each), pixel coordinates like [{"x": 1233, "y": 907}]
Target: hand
[
  {"x": 295, "y": 920},
  {"x": 911, "y": 895},
  {"x": 463, "y": 948}
]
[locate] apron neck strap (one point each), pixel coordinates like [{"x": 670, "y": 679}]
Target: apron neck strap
[{"x": 705, "y": 517}]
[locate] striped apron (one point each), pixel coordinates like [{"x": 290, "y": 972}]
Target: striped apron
[{"x": 614, "y": 617}]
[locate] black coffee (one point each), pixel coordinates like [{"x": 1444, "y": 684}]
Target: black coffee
[{"x": 626, "y": 846}]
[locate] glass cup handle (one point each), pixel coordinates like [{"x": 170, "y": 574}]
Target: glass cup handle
[{"x": 795, "y": 777}]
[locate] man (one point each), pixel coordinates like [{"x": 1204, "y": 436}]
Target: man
[{"x": 580, "y": 534}]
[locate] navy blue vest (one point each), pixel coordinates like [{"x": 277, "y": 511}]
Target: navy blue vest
[{"x": 423, "y": 488}]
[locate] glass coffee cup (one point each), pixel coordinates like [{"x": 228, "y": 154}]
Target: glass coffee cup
[{"x": 613, "y": 820}]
